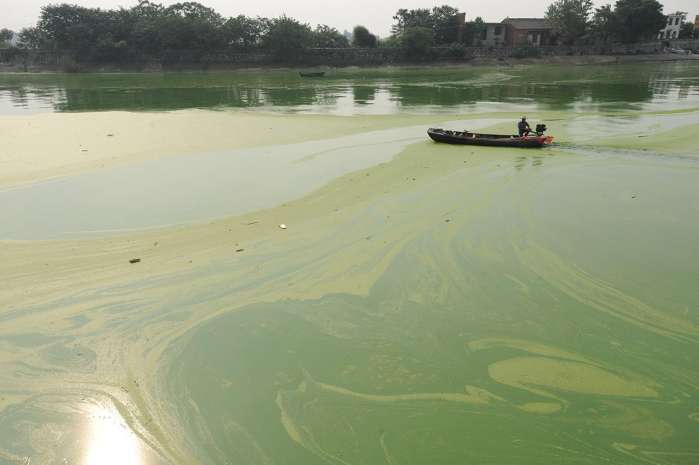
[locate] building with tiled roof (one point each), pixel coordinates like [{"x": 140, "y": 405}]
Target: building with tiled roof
[{"x": 528, "y": 31}]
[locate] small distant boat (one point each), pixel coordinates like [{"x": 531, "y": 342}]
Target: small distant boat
[
  {"x": 535, "y": 140},
  {"x": 312, "y": 74}
]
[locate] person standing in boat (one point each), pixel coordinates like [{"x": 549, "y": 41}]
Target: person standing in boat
[{"x": 523, "y": 127}]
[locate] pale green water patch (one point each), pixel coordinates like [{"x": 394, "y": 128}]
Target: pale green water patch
[
  {"x": 384, "y": 378},
  {"x": 186, "y": 189}
]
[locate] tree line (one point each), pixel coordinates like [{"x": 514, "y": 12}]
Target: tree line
[
  {"x": 628, "y": 21},
  {"x": 150, "y": 31}
]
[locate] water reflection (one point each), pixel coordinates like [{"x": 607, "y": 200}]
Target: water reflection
[
  {"x": 605, "y": 88},
  {"x": 363, "y": 94},
  {"x": 110, "y": 441},
  {"x": 70, "y": 429}
]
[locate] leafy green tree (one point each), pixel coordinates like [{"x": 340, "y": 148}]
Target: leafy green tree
[
  {"x": 406, "y": 19},
  {"x": 416, "y": 42},
  {"x": 570, "y": 18},
  {"x": 147, "y": 30},
  {"x": 145, "y": 19},
  {"x": 328, "y": 37},
  {"x": 474, "y": 31},
  {"x": 604, "y": 25},
  {"x": 441, "y": 20},
  {"x": 146, "y": 8},
  {"x": 71, "y": 27},
  {"x": 31, "y": 38},
  {"x": 687, "y": 31},
  {"x": 191, "y": 26},
  {"x": 287, "y": 38},
  {"x": 638, "y": 19},
  {"x": 93, "y": 34},
  {"x": 361, "y": 37},
  {"x": 245, "y": 32},
  {"x": 195, "y": 11},
  {"x": 390, "y": 42},
  {"x": 445, "y": 25}
]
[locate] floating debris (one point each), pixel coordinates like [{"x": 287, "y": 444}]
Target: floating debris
[
  {"x": 282, "y": 226},
  {"x": 240, "y": 250},
  {"x": 135, "y": 260}
]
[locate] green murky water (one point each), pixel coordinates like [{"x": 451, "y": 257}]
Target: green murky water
[{"x": 451, "y": 305}]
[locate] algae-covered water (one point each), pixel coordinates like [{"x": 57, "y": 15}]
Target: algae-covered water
[{"x": 426, "y": 304}]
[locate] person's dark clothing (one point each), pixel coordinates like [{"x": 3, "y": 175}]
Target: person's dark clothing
[{"x": 524, "y": 128}]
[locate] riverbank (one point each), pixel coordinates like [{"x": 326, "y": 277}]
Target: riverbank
[
  {"x": 585, "y": 60},
  {"x": 477, "y": 62},
  {"x": 14, "y": 60}
]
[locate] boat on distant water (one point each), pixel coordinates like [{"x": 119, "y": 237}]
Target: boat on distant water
[
  {"x": 535, "y": 140},
  {"x": 311, "y": 74}
]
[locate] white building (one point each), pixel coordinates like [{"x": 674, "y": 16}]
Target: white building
[
  {"x": 673, "y": 25},
  {"x": 492, "y": 35}
]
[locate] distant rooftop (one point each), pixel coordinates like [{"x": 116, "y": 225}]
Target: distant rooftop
[{"x": 528, "y": 23}]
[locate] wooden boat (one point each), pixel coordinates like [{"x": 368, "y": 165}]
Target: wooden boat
[
  {"x": 312, "y": 74},
  {"x": 537, "y": 139}
]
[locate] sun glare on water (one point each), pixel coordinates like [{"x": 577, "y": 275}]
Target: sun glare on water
[{"x": 110, "y": 441}]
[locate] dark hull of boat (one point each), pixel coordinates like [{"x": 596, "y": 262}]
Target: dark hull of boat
[
  {"x": 491, "y": 140},
  {"x": 313, "y": 74}
]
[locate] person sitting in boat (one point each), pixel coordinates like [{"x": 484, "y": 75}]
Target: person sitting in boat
[{"x": 523, "y": 127}]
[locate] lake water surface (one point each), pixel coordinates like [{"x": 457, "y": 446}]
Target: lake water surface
[
  {"x": 363, "y": 91},
  {"x": 427, "y": 304}
]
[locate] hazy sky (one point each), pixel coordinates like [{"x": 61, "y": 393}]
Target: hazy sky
[{"x": 342, "y": 14}]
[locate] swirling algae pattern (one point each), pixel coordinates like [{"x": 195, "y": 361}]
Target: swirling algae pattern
[
  {"x": 419, "y": 311},
  {"x": 396, "y": 345}
]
